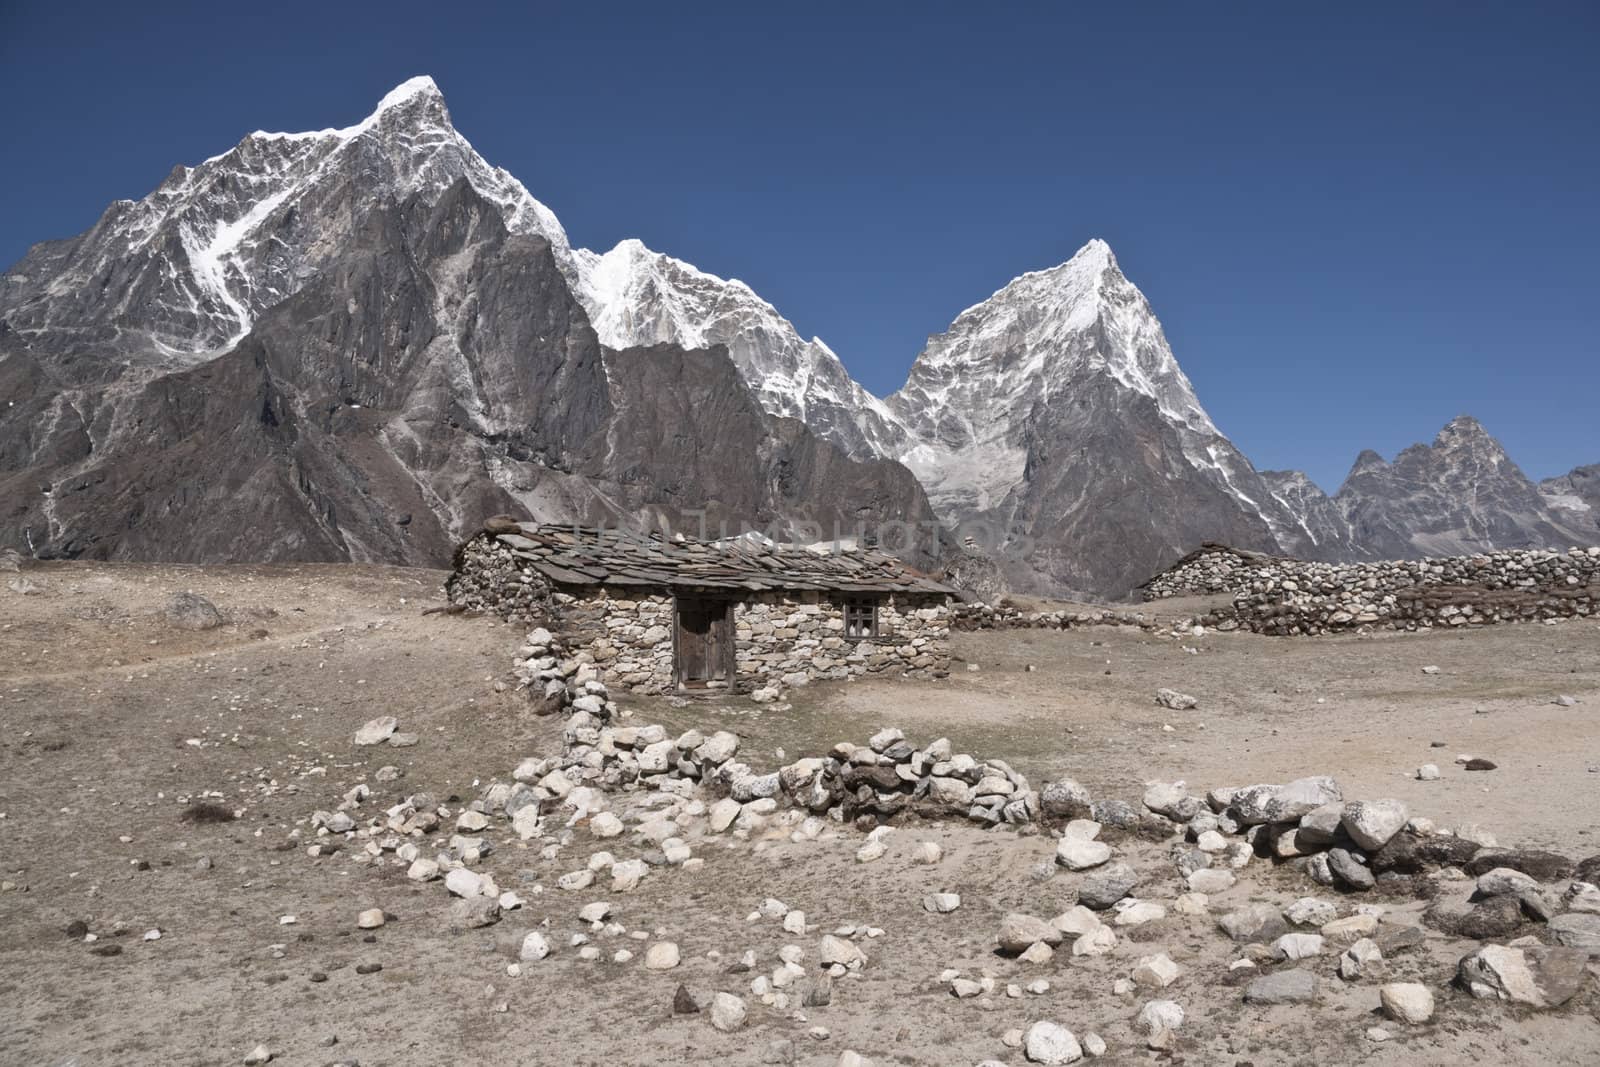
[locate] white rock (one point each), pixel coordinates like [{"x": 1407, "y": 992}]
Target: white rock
[
  {"x": 941, "y": 903},
  {"x": 534, "y": 947},
  {"x": 576, "y": 880},
  {"x": 1131, "y": 912},
  {"x": 1159, "y": 1016},
  {"x": 1096, "y": 942},
  {"x": 836, "y": 950},
  {"x": 1051, "y": 1043},
  {"x": 604, "y": 824},
  {"x": 370, "y": 919},
  {"x": 1406, "y": 1002},
  {"x": 1211, "y": 880},
  {"x": 375, "y": 732},
  {"x": 1077, "y": 854},
  {"x": 661, "y": 956},
  {"x": 727, "y": 1012},
  {"x": 464, "y": 883},
  {"x": 1076, "y": 921},
  {"x": 1155, "y": 972},
  {"x": 1371, "y": 823},
  {"x": 723, "y": 812},
  {"x": 870, "y": 851},
  {"x": 1309, "y": 911},
  {"x": 626, "y": 875},
  {"x": 1081, "y": 830},
  {"x": 1297, "y": 946}
]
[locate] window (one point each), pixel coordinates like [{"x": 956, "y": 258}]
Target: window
[{"x": 861, "y": 618}]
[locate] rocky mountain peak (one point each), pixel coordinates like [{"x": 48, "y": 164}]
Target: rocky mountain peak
[
  {"x": 1466, "y": 432},
  {"x": 1368, "y": 460},
  {"x": 183, "y": 273}
]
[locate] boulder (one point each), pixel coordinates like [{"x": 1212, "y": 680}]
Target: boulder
[
  {"x": 1406, "y": 1002},
  {"x": 1051, "y": 1043},
  {"x": 1173, "y": 700},
  {"x": 727, "y": 1012},
  {"x": 1107, "y": 885},
  {"x": 1577, "y": 930},
  {"x": 376, "y": 731},
  {"x": 1495, "y": 917},
  {"x": 1018, "y": 931},
  {"x": 1536, "y": 863},
  {"x": 1065, "y": 799},
  {"x": 1371, "y": 823},
  {"x": 1537, "y": 977},
  {"x": 1410, "y": 853},
  {"x": 1499, "y": 881},
  {"x": 1291, "y": 802},
  {"x": 1077, "y": 854},
  {"x": 1349, "y": 871},
  {"x": 1254, "y": 923}
]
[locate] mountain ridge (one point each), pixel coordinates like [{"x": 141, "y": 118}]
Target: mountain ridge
[{"x": 1053, "y": 415}]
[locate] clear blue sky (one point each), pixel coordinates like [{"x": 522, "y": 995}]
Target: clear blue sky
[{"x": 1355, "y": 222}]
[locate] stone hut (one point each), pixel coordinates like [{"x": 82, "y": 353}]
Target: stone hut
[{"x": 661, "y": 615}]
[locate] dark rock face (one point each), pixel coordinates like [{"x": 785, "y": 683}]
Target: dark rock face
[
  {"x": 1460, "y": 495},
  {"x": 1576, "y": 497},
  {"x": 389, "y": 352}
]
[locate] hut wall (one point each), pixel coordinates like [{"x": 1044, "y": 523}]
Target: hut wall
[{"x": 780, "y": 638}]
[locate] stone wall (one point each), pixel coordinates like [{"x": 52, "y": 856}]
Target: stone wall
[
  {"x": 780, "y": 639},
  {"x": 1212, "y": 568},
  {"x": 488, "y": 577},
  {"x": 1003, "y": 617},
  {"x": 1287, "y": 597}
]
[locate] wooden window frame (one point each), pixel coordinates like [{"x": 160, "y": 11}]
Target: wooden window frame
[{"x": 853, "y": 609}]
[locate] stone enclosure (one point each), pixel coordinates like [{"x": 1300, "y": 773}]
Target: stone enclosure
[{"x": 1291, "y": 597}]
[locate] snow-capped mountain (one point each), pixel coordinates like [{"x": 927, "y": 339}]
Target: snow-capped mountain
[
  {"x": 638, "y": 297},
  {"x": 185, "y": 271},
  {"x": 355, "y": 344},
  {"x": 1055, "y": 411}
]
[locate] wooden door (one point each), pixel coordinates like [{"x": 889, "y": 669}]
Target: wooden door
[{"x": 703, "y": 641}]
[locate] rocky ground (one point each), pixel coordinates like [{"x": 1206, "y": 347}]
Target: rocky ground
[{"x": 172, "y": 895}]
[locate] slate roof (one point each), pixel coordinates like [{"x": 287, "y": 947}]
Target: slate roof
[{"x": 570, "y": 555}]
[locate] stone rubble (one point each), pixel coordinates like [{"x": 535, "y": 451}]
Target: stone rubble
[{"x": 669, "y": 794}]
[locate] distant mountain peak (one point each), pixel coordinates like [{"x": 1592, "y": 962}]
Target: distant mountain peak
[{"x": 1368, "y": 460}]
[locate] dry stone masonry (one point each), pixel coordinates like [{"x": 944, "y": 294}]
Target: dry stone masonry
[
  {"x": 619, "y": 600},
  {"x": 1291, "y": 597}
]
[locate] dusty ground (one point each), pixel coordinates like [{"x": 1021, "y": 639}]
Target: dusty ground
[{"x": 112, "y": 721}]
